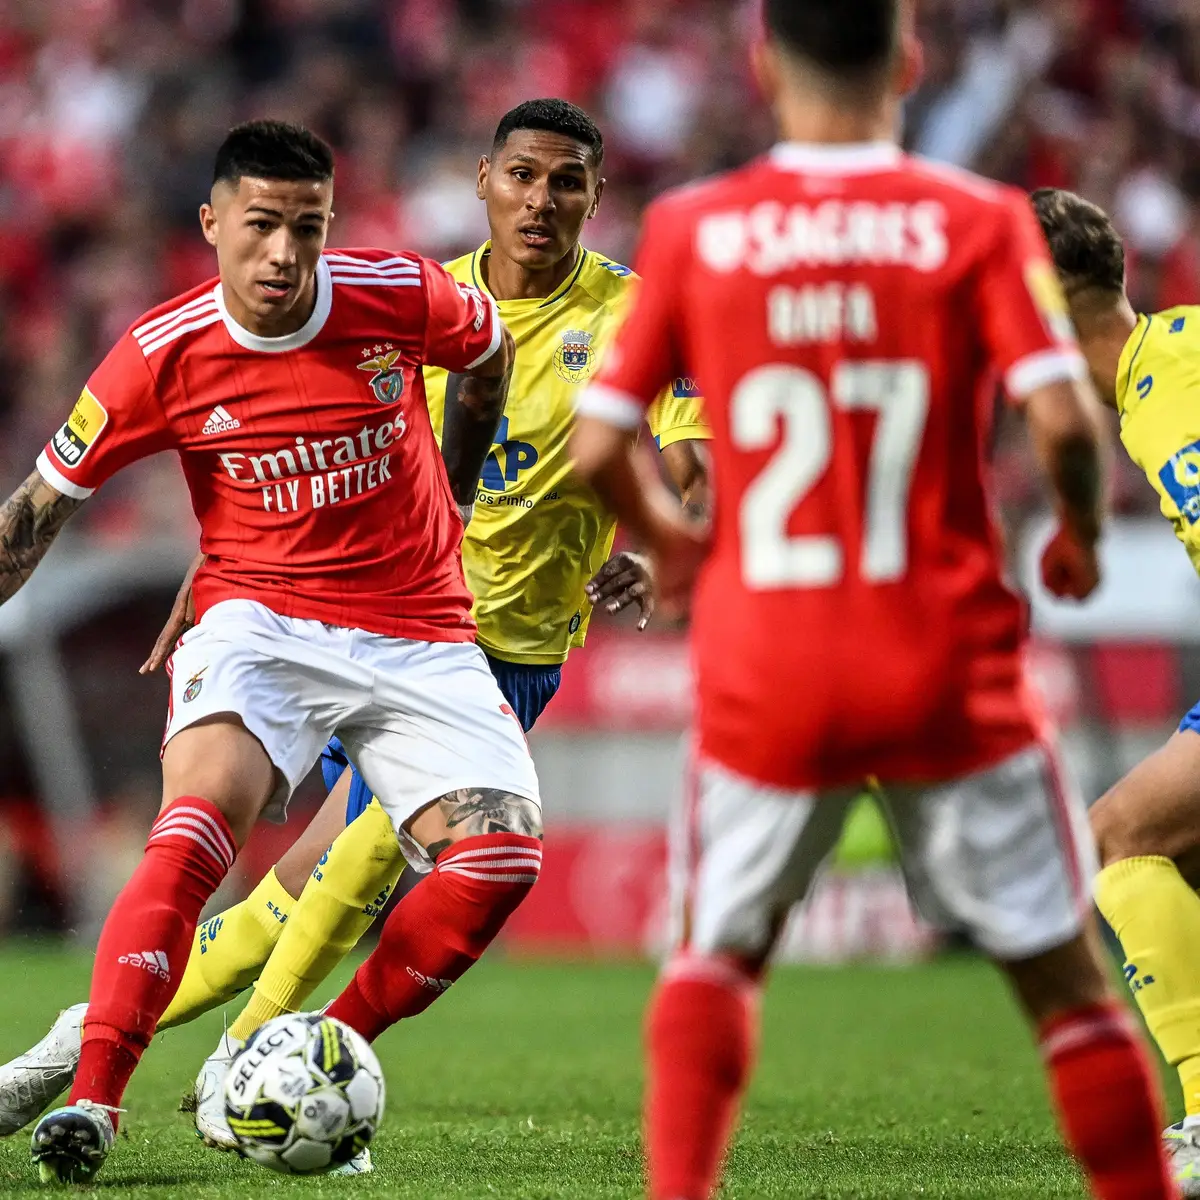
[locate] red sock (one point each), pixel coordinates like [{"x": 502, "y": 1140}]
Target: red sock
[
  {"x": 145, "y": 943},
  {"x": 440, "y": 929},
  {"x": 701, "y": 1036},
  {"x": 1108, "y": 1104}
]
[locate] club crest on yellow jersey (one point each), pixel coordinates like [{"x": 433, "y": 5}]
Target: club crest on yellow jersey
[
  {"x": 386, "y": 382},
  {"x": 574, "y": 360}
]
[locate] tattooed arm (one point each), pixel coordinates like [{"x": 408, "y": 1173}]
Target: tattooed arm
[
  {"x": 30, "y": 520},
  {"x": 474, "y": 405}
]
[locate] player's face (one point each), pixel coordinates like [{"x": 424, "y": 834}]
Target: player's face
[
  {"x": 269, "y": 234},
  {"x": 540, "y": 188}
]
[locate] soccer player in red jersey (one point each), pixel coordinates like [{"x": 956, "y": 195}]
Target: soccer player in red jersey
[
  {"x": 847, "y": 312},
  {"x": 331, "y": 599}
]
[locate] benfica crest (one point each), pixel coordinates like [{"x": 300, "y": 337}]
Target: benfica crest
[{"x": 387, "y": 381}]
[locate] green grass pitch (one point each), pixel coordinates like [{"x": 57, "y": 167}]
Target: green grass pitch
[{"x": 524, "y": 1081}]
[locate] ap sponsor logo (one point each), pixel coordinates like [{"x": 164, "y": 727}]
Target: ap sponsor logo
[
  {"x": 1180, "y": 477},
  {"x": 508, "y": 458}
]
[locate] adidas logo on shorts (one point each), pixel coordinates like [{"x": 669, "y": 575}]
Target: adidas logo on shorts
[
  {"x": 154, "y": 961},
  {"x": 219, "y": 421}
]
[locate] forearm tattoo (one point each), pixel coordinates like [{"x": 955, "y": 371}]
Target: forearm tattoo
[
  {"x": 30, "y": 520},
  {"x": 475, "y": 811},
  {"x": 474, "y": 407}
]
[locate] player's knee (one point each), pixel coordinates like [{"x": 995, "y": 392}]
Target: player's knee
[
  {"x": 474, "y": 812},
  {"x": 1120, "y": 829}
]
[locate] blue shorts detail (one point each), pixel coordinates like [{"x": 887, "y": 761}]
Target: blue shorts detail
[
  {"x": 1192, "y": 720},
  {"x": 527, "y": 688}
]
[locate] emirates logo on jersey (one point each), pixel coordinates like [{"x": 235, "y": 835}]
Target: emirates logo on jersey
[{"x": 387, "y": 381}]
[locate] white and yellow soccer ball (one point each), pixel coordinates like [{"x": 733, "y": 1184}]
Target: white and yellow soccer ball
[{"x": 304, "y": 1095}]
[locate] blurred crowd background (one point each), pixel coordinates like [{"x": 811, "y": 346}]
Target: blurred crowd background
[{"x": 110, "y": 111}]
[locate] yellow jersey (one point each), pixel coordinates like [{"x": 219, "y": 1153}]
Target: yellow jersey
[
  {"x": 538, "y": 535},
  {"x": 1158, "y": 397}
]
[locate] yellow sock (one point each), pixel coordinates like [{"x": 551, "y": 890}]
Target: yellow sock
[
  {"x": 229, "y": 950},
  {"x": 1156, "y": 916},
  {"x": 346, "y": 893}
]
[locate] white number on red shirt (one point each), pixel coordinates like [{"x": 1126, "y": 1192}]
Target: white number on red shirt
[{"x": 780, "y": 393}]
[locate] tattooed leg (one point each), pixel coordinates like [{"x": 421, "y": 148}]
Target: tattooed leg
[
  {"x": 470, "y": 812},
  {"x": 487, "y": 843}
]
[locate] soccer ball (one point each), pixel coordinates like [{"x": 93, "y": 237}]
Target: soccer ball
[{"x": 304, "y": 1095}]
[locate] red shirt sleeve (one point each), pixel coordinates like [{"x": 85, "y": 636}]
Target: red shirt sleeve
[
  {"x": 462, "y": 325},
  {"x": 116, "y": 420},
  {"x": 1023, "y": 314},
  {"x": 647, "y": 354}
]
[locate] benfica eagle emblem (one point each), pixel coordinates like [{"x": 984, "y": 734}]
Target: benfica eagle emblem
[{"x": 387, "y": 381}]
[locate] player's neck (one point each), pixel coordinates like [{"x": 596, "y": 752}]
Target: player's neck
[
  {"x": 819, "y": 118},
  {"x": 282, "y": 325},
  {"x": 509, "y": 280},
  {"x": 1104, "y": 327}
]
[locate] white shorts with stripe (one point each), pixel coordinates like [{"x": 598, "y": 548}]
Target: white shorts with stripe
[
  {"x": 1004, "y": 855},
  {"x": 418, "y": 719}
]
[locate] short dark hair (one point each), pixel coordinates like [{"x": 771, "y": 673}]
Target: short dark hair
[
  {"x": 554, "y": 116},
  {"x": 272, "y": 150},
  {"x": 843, "y": 41},
  {"x": 1086, "y": 249}
]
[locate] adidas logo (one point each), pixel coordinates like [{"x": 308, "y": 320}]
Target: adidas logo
[
  {"x": 219, "y": 421},
  {"x": 437, "y": 986},
  {"x": 154, "y": 961}
]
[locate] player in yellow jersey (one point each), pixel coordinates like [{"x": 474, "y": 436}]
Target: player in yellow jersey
[
  {"x": 536, "y": 553},
  {"x": 1147, "y": 827}
]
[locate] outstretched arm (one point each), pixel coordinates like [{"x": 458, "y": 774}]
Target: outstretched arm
[
  {"x": 30, "y": 520},
  {"x": 474, "y": 406},
  {"x": 687, "y": 464},
  {"x": 182, "y": 618},
  {"x": 628, "y": 578},
  {"x": 1068, "y": 438}
]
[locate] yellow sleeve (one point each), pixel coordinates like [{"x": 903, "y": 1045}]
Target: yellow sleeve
[{"x": 678, "y": 415}]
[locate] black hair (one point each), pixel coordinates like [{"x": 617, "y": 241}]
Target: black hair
[
  {"x": 554, "y": 116},
  {"x": 1086, "y": 249},
  {"x": 842, "y": 41},
  {"x": 272, "y": 150}
]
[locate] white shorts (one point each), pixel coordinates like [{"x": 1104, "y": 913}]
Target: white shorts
[
  {"x": 419, "y": 719},
  {"x": 1004, "y": 855}
]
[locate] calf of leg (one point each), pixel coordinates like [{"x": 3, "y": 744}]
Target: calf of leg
[
  {"x": 1101, "y": 1081},
  {"x": 486, "y": 846},
  {"x": 144, "y": 943}
]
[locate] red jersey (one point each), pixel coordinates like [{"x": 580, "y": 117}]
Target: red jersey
[
  {"x": 310, "y": 458},
  {"x": 847, "y": 312}
]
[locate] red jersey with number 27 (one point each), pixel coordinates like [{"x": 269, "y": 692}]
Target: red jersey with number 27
[
  {"x": 847, "y": 312},
  {"x": 310, "y": 458}
]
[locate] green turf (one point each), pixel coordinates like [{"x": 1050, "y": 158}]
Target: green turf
[{"x": 523, "y": 1082}]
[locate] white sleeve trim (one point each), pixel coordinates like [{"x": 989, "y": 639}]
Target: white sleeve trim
[
  {"x": 611, "y": 405},
  {"x": 494, "y": 344},
  {"x": 1043, "y": 368},
  {"x": 57, "y": 480}
]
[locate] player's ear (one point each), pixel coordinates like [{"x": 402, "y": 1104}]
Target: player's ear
[
  {"x": 208, "y": 223},
  {"x": 485, "y": 167},
  {"x": 596, "y": 199},
  {"x": 910, "y": 62},
  {"x": 764, "y": 66}
]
